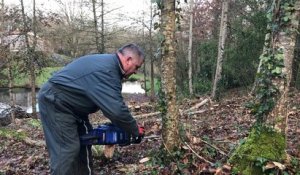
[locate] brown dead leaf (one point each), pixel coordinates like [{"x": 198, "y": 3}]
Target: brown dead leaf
[
  {"x": 29, "y": 161},
  {"x": 145, "y": 159},
  {"x": 185, "y": 160},
  {"x": 279, "y": 165},
  {"x": 218, "y": 171},
  {"x": 271, "y": 165},
  {"x": 226, "y": 167},
  {"x": 109, "y": 151},
  {"x": 185, "y": 147}
]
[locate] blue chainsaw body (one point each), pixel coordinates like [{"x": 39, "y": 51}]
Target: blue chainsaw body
[{"x": 105, "y": 134}]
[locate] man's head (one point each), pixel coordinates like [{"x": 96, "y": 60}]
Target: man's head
[{"x": 131, "y": 57}]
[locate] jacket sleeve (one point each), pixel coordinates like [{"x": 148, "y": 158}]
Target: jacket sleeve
[{"x": 106, "y": 93}]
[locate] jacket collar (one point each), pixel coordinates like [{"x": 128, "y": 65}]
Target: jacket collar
[{"x": 120, "y": 65}]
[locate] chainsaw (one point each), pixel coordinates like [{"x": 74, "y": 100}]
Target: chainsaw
[{"x": 107, "y": 134}]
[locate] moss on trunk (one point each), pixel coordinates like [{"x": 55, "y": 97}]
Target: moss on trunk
[{"x": 261, "y": 143}]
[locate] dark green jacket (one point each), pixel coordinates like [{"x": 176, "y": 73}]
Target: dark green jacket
[{"x": 94, "y": 82}]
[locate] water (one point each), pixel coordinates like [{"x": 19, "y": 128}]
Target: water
[
  {"x": 23, "y": 96},
  {"x": 132, "y": 88}
]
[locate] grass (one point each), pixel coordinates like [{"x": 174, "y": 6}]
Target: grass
[
  {"x": 46, "y": 74},
  {"x": 140, "y": 77},
  {"x": 22, "y": 80},
  {"x": 8, "y": 133}
]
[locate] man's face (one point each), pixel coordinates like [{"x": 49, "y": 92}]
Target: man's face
[{"x": 132, "y": 65}]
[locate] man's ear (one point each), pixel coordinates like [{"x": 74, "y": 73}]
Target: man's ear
[{"x": 129, "y": 58}]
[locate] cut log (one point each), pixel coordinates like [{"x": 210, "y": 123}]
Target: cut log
[{"x": 197, "y": 105}]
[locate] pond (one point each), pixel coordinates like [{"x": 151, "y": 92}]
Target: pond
[{"x": 22, "y": 96}]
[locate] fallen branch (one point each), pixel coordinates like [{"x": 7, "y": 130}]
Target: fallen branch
[
  {"x": 202, "y": 158},
  {"x": 196, "y": 112},
  {"x": 197, "y": 105},
  {"x": 147, "y": 115},
  {"x": 34, "y": 143},
  {"x": 188, "y": 111}
]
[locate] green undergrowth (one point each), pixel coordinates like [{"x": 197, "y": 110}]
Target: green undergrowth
[
  {"x": 262, "y": 144},
  {"x": 34, "y": 123},
  {"x": 9, "y": 133}
]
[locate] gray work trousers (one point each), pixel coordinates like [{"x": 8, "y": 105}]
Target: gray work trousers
[{"x": 62, "y": 128}]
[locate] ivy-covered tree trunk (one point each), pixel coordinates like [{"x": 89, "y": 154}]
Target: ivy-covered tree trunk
[
  {"x": 170, "y": 129},
  {"x": 222, "y": 37},
  {"x": 266, "y": 142}
]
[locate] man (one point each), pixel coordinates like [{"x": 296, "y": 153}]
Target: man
[{"x": 84, "y": 86}]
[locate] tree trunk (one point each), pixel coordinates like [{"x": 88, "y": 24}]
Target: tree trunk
[
  {"x": 286, "y": 42},
  {"x": 190, "y": 48},
  {"x": 9, "y": 60},
  {"x": 151, "y": 55},
  {"x": 10, "y": 87},
  {"x": 33, "y": 57},
  {"x": 30, "y": 54},
  {"x": 170, "y": 129},
  {"x": 102, "y": 28},
  {"x": 145, "y": 72},
  {"x": 295, "y": 69},
  {"x": 222, "y": 37},
  {"x": 96, "y": 27},
  {"x": 265, "y": 51},
  {"x": 268, "y": 140}
]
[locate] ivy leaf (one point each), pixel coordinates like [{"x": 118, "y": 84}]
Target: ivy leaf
[
  {"x": 277, "y": 70},
  {"x": 279, "y": 56},
  {"x": 269, "y": 16},
  {"x": 264, "y": 58}
]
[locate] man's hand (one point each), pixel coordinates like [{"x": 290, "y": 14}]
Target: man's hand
[
  {"x": 141, "y": 130},
  {"x": 137, "y": 139},
  {"x": 141, "y": 135}
]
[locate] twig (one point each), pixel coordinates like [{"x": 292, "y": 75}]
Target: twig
[
  {"x": 152, "y": 137},
  {"x": 196, "y": 112},
  {"x": 220, "y": 151},
  {"x": 202, "y": 158}
]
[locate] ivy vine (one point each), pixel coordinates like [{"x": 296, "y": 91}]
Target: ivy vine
[{"x": 272, "y": 61}]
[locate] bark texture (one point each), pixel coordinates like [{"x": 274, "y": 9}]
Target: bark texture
[
  {"x": 170, "y": 131},
  {"x": 222, "y": 38}
]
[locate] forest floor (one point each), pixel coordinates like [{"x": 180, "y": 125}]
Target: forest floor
[{"x": 212, "y": 133}]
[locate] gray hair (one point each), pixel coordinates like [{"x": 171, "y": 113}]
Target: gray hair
[{"x": 132, "y": 47}]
